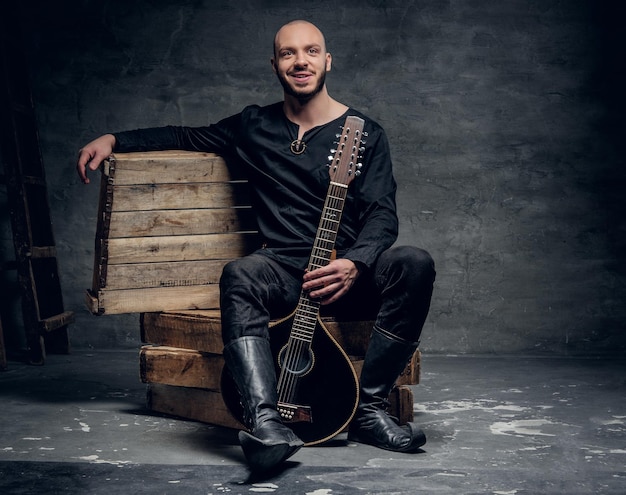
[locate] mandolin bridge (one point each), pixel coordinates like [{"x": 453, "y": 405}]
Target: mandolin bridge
[{"x": 293, "y": 413}]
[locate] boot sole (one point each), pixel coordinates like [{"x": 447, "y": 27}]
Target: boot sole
[
  {"x": 262, "y": 456},
  {"x": 418, "y": 441}
]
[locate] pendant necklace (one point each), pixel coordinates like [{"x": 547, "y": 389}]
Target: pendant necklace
[{"x": 297, "y": 146}]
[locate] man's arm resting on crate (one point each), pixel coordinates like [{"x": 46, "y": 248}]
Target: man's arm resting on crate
[{"x": 93, "y": 154}]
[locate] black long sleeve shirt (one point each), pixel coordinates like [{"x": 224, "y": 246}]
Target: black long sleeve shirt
[{"x": 289, "y": 189}]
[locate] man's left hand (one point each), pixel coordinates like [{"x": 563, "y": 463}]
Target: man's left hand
[{"x": 331, "y": 282}]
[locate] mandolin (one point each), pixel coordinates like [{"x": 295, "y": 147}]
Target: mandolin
[{"x": 318, "y": 389}]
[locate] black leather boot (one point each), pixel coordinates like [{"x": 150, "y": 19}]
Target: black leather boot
[
  {"x": 386, "y": 357},
  {"x": 269, "y": 442}
]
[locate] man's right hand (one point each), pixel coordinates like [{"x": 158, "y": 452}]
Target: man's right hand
[{"x": 92, "y": 155}]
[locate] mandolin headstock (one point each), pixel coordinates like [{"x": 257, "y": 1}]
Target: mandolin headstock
[{"x": 345, "y": 165}]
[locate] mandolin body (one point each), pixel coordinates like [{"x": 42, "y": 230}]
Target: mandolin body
[{"x": 328, "y": 390}]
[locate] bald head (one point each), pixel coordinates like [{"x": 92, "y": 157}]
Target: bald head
[{"x": 295, "y": 28}]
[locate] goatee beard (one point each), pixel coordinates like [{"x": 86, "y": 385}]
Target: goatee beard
[{"x": 302, "y": 96}]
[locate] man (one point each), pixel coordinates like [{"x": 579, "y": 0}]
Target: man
[{"x": 283, "y": 148}]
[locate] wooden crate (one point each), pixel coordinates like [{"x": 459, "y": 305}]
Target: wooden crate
[
  {"x": 201, "y": 330},
  {"x": 185, "y": 350},
  {"x": 167, "y": 224}
]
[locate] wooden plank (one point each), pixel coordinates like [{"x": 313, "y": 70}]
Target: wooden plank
[
  {"x": 197, "y": 404},
  {"x": 191, "y": 329},
  {"x": 180, "y": 222},
  {"x": 200, "y": 330},
  {"x": 180, "y": 367},
  {"x": 100, "y": 257},
  {"x": 40, "y": 252},
  {"x": 413, "y": 371},
  {"x": 178, "y": 248},
  {"x": 159, "y": 167},
  {"x": 164, "y": 274},
  {"x": 57, "y": 321},
  {"x": 151, "y": 300},
  {"x": 92, "y": 303},
  {"x": 401, "y": 404},
  {"x": 352, "y": 336},
  {"x": 139, "y": 197}
]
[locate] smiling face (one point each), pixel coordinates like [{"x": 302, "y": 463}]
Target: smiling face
[{"x": 300, "y": 60}]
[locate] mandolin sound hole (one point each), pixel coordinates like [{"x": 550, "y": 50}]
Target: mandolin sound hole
[{"x": 296, "y": 362}]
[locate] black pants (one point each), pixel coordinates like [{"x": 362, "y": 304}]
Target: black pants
[{"x": 396, "y": 294}]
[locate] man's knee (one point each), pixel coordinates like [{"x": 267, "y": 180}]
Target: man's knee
[
  {"x": 413, "y": 260},
  {"x": 240, "y": 271}
]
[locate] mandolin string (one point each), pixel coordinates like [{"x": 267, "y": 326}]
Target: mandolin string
[
  {"x": 296, "y": 346},
  {"x": 289, "y": 363},
  {"x": 300, "y": 347},
  {"x": 295, "y": 349}
]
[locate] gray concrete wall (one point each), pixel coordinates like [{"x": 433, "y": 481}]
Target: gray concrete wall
[{"x": 504, "y": 117}]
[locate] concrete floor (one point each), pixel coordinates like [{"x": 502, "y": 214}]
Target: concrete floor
[{"x": 495, "y": 425}]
